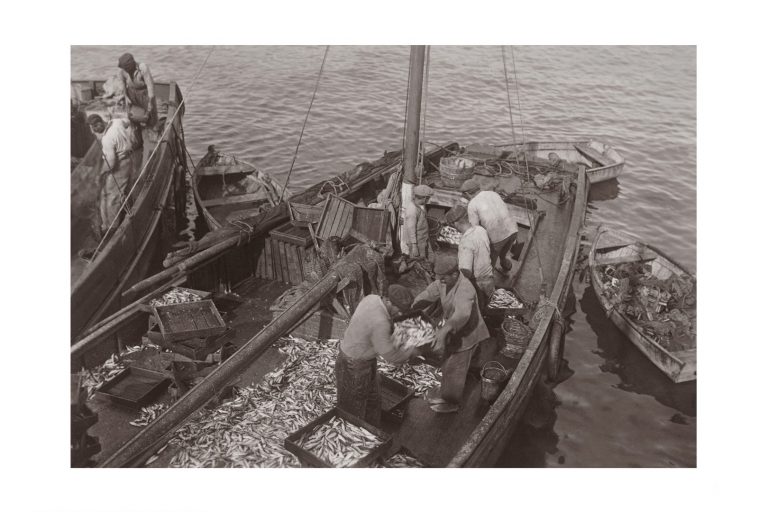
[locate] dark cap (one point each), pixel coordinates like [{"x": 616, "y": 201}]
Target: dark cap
[
  {"x": 125, "y": 60},
  {"x": 456, "y": 213},
  {"x": 446, "y": 264},
  {"x": 401, "y": 297},
  {"x": 93, "y": 119}
]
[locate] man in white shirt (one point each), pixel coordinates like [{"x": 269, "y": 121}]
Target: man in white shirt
[
  {"x": 118, "y": 142},
  {"x": 487, "y": 209},
  {"x": 474, "y": 253}
]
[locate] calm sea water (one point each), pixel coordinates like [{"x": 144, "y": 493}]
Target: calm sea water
[{"x": 615, "y": 409}]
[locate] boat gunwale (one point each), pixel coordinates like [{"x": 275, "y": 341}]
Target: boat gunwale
[{"x": 533, "y": 358}]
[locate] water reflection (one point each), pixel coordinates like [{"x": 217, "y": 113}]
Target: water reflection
[
  {"x": 604, "y": 191},
  {"x": 637, "y": 373}
]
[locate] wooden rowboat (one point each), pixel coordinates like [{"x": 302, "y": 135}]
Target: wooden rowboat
[
  {"x": 603, "y": 161},
  {"x": 231, "y": 189},
  {"x": 677, "y": 359},
  {"x": 134, "y": 247}
]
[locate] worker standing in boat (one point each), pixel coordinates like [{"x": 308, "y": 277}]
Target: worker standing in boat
[
  {"x": 416, "y": 227},
  {"x": 487, "y": 209},
  {"x": 474, "y": 253},
  {"x": 368, "y": 336},
  {"x": 459, "y": 337},
  {"x": 118, "y": 146},
  {"x": 139, "y": 85}
]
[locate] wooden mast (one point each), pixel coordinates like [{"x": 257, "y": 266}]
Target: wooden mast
[
  {"x": 412, "y": 121},
  {"x": 411, "y": 175}
]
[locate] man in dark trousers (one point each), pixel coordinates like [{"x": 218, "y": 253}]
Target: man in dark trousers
[{"x": 462, "y": 332}]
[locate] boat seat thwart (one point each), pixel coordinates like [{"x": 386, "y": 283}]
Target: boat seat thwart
[{"x": 593, "y": 154}]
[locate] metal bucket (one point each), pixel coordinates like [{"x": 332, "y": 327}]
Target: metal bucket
[{"x": 492, "y": 378}]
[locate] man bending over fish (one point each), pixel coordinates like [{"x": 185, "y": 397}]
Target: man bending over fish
[{"x": 368, "y": 336}]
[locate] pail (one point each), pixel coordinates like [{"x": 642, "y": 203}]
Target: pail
[
  {"x": 455, "y": 170},
  {"x": 517, "y": 335},
  {"x": 492, "y": 378}
]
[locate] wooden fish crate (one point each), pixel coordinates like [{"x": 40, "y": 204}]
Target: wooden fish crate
[
  {"x": 309, "y": 459},
  {"x": 134, "y": 387},
  {"x": 370, "y": 224},
  {"x": 296, "y": 235},
  {"x": 189, "y": 320},
  {"x": 336, "y": 219},
  {"x": 394, "y": 396}
]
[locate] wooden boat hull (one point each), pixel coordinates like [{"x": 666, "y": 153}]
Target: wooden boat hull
[
  {"x": 679, "y": 366},
  {"x": 610, "y": 166},
  {"x": 133, "y": 249}
]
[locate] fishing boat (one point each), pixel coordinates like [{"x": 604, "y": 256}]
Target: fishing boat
[
  {"x": 602, "y": 160},
  {"x": 246, "y": 268},
  {"x": 227, "y": 189},
  {"x": 130, "y": 249},
  {"x": 672, "y": 349}
]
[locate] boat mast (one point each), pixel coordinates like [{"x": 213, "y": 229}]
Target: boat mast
[{"x": 411, "y": 174}]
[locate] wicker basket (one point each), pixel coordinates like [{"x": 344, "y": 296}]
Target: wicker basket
[
  {"x": 455, "y": 170},
  {"x": 517, "y": 335}
]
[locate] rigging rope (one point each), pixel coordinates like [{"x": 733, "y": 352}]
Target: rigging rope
[
  {"x": 168, "y": 125},
  {"x": 527, "y": 171},
  {"x": 306, "y": 117}
]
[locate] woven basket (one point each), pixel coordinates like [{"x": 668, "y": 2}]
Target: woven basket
[
  {"x": 455, "y": 170},
  {"x": 517, "y": 335}
]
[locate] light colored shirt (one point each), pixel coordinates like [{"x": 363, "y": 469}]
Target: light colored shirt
[
  {"x": 118, "y": 141},
  {"x": 369, "y": 333},
  {"x": 489, "y": 210},
  {"x": 460, "y": 310},
  {"x": 416, "y": 227},
  {"x": 475, "y": 252}
]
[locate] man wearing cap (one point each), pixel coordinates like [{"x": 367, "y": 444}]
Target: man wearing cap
[
  {"x": 118, "y": 144},
  {"x": 474, "y": 253},
  {"x": 416, "y": 227},
  {"x": 464, "y": 326},
  {"x": 487, "y": 209},
  {"x": 368, "y": 336},
  {"x": 139, "y": 85}
]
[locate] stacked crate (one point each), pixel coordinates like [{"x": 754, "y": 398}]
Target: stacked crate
[{"x": 284, "y": 252}]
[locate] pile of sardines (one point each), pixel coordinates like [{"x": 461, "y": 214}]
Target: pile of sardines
[
  {"x": 413, "y": 332},
  {"x": 339, "y": 442}
]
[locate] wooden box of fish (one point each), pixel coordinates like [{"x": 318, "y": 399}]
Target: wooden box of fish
[
  {"x": 394, "y": 396},
  {"x": 338, "y": 439},
  {"x": 505, "y": 301},
  {"x": 189, "y": 320},
  {"x": 413, "y": 329},
  {"x": 448, "y": 236},
  {"x": 404, "y": 458},
  {"x": 134, "y": 387}
]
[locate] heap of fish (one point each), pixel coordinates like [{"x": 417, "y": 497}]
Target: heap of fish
[
  {"x": 339, "y": 442},
  {"x": 503, "y": 299},
  {"x": 421, "y": 377},
  {"x": 449, "y": 235},
  {"x": 175, "y": 296},
  {"x": 412, "y": 332},
  {"x": 250, "y": 430},
  {"x": 148, "y": 415}
]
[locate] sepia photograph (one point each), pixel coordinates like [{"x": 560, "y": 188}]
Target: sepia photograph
[
  {"x": 304, "y": 243},
  {"x": 383, "y": 256}
]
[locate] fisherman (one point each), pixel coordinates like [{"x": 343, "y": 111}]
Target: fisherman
[
  {"x": 118, "y": 146},
  {"x": 416, "y": 227},
  {"x": 210, "y": 157},
  {"x": 368, "y": 336},
  {"x": 461, "y": 333},
  {"x": 139, "y": 86},
  {"x": 487, "y": 209},
  {"x": 474, "y": 253}
]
